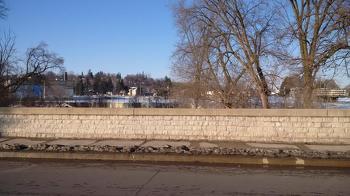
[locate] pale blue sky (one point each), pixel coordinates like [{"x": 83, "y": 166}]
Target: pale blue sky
[{"x": 127, "y": 36}]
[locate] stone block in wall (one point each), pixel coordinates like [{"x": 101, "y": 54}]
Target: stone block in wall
[{"x": 342, "y": 119}]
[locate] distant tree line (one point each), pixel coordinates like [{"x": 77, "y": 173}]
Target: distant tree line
[
  {"x": 296, "y": 82},
  {"x": 101, "y": 83},
  {"x": 39, "y": 66}
]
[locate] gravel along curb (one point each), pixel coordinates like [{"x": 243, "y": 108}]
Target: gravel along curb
[
  {"x": 182, "y": 153},
  {"x": 183, "y": 149}
]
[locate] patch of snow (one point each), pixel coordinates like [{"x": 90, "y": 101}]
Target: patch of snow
[{"x": 343, "y": 99}]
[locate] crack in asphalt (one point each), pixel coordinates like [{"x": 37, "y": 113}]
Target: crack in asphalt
[{"x": 147, "y": 182}]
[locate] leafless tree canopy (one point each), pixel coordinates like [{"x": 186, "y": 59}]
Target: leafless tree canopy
[
  {"x": 15, "y": 71},
  {"x": 321, "y": 30},
  {"x": 225, "y": 43},
  {"x": 228, "y": 41},
  {"x": 3, "y": 9},
  {"x": 190, "y": 55}
]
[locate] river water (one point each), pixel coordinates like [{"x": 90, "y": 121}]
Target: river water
[{"x": 112, "y": 178}]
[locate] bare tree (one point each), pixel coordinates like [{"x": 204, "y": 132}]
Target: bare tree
[
  {"x": 238, "y": 40},
  {"x": 14, "y": 72},
  {"x": 7, "y": 64},
  {"x": 189, "y": 55},
  {"x": 321, "y": 29},
  {"x": 3, "y": 10},
  {"x": 201, "y": 61}
]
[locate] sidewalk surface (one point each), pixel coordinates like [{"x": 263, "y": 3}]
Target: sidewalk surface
[{"x": 208, "y": 151}]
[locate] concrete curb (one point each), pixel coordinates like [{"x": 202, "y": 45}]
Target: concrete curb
[{"x": 175, "y": 158}]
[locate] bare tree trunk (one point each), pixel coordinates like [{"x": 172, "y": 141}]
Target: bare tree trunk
[
  {"x": 227, "y": 102},
  {"x": 263, "y": 87},
  {"x": 197, "y": 82},
  {"x": 264, "y": 99},
  {"x": 228, "y": 105},
  {"x": 307, "y": 88}
]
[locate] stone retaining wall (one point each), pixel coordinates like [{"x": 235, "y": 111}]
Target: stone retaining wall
[{"x": 257, "y": 125}]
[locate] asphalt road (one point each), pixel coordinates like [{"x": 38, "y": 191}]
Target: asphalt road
[{"x": 111, "y": 178}]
